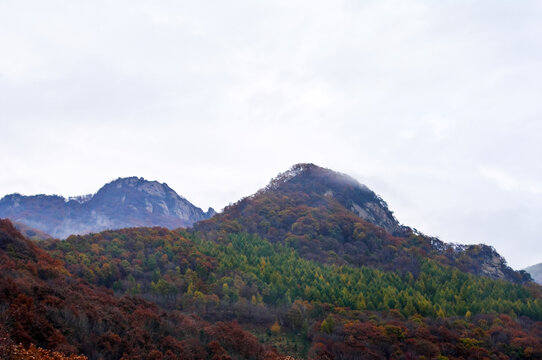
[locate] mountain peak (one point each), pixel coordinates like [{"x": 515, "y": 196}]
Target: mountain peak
[
  {"x": 311, "y": 172},
  {"x": 150, "y": 187},
  {"x": 319, "y": 182},
  {"x": 289, "y": 174},
  {"x": 124, "y": 202}
]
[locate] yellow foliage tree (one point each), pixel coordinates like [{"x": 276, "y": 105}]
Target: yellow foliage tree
[{"x": 275, "y": 328}]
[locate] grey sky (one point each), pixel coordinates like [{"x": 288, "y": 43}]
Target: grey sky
[{"x": 435, "y": 105}]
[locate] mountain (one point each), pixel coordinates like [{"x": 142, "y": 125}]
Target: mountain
[
  {"x": 125, "y": 202},
  {"x": 314, "y": 266},
  {"x": 536, "y": 272},
  {"x": 356, "y": 197},
  {"x": 43, "y": 305},
  {"x": 330, "y": 217}
]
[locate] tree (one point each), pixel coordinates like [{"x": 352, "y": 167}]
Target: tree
[
  {"x": 275, "y": 328},
  {"x": 328, "y": 325}
]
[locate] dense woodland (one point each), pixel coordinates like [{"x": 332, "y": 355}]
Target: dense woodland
[
  {"x": 288, "y": 272},
  {"x": 44, "y": 306},
  {"x": 319, "y": 306}
]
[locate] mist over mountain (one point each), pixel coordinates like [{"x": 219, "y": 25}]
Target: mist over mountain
[
  {"x": 356, "y": 197},
  {"x": 30, "y": 232},
  {"x": 125, "y": 202},
  {"x": 536, "y": 272},
  {"x": 325, "y": 215}
]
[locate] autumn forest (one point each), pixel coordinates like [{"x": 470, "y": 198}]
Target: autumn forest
[{"x": 314, "y": 266}]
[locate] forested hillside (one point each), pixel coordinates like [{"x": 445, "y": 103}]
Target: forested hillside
[
  {"x": 330, "y": 217},
  {"x": 44, "y": 306},
  {"x": 320, "y": 308},
  {"x": 314, "y": 266}
]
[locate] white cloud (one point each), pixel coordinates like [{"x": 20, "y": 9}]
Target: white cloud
[
  {"x": 507, "y": 182},
  {"x": 414, "y": 98},
  {"x": 500, "y": 178}
]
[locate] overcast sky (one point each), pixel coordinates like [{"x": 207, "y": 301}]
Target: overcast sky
[{"x": 435, "y": 105}]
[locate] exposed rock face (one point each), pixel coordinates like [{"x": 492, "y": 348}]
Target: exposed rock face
[
  {"x": 493, "y": 266},
  {"x": 378, "y": 214},
  {"x": 481, "y": 260},
  {"x": 125, "y": 202}
]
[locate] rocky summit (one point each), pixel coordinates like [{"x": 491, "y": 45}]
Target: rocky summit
[{"x": 125, "y": 202}]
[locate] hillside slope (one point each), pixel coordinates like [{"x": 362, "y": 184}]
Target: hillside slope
[
  {"x": 309, "y": 309},
  {"x": 330, "y": 217},
  {"x": 43, "y": 304}
]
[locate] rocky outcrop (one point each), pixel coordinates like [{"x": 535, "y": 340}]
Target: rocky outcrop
[{"x": 480, "y": 259}]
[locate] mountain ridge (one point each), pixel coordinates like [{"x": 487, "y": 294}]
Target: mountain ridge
[
  {"x": 123, "y": 202},
  {"x": 328, "y": 215}
]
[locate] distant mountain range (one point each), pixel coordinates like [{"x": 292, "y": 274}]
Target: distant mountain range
[
  {"x": 536, "y": 272},
  {"x": 312, "y": 266},
  {"x": 125, "y": 202},
  {"x": 327, "y": 216}
]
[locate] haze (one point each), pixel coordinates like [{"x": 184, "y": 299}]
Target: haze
[{"x": 433, "y": 105}]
